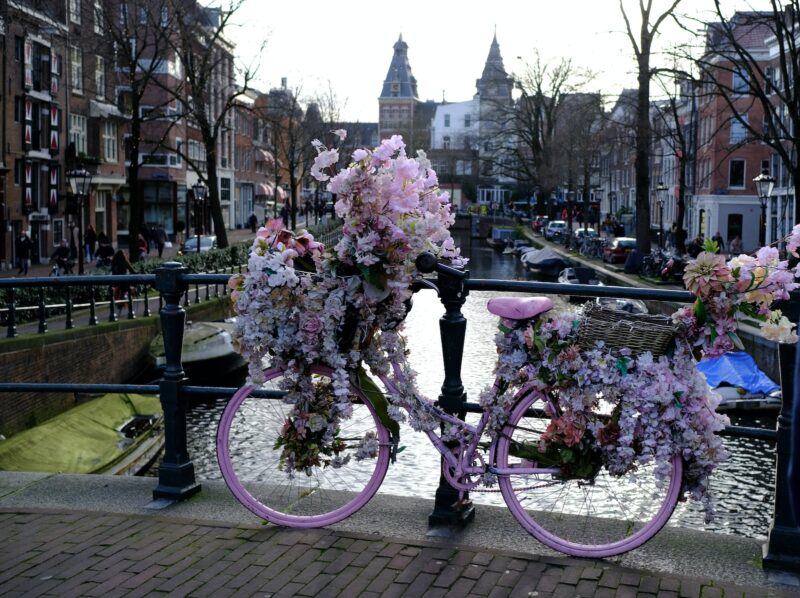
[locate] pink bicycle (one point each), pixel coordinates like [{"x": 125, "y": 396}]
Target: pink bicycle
[{"x": 588, "y": 515}]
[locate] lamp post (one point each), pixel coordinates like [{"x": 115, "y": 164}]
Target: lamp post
[
  {"x": 661, "y": 197},
  {"x": 80, "y": 180},
  {"x": 764, "y": 185},
  {"x": 199, "y": 191}
]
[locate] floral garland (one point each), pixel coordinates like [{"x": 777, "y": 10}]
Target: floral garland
[
  {"x": 615, "y": 410},
  {"x": 298, "y": 304}
]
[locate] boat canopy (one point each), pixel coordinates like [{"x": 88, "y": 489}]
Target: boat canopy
[{"x": 736, "y": 369}]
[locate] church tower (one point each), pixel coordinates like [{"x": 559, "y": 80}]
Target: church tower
[
  {"x": 494, "y": 85},
  {"x": 398, "y": 100}
]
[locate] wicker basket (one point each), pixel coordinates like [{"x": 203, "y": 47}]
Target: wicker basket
[{"x": 619, "y": 329}]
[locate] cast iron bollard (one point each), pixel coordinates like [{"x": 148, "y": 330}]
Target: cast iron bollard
[
  {"x": 780, "y": 551},
  {"x": 448, "y": 509},
  {"x": 176, "y": 479}
]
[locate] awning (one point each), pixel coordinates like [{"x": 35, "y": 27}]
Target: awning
[
  {"x": 104, "y": 110},
  {"x": 282, "y": 193},
  {"x": 264, "y": 156},
  {"x": 265, "y": 189}
]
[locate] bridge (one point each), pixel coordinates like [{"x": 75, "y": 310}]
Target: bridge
[{"x": 176, "y": 480}]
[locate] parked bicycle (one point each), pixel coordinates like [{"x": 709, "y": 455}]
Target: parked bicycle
[{"x": 590, "y": 513}]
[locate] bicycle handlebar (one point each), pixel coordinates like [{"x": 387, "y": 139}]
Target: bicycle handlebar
[{"x": 426, "y": 263}]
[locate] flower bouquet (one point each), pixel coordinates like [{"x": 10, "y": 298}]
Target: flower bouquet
[{"x": 300, "y": 304}]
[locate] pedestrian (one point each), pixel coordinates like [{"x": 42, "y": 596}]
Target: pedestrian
[
  {"x": 151, "y": 238},
  {"x": 736, "y": 245},
  {"x": 161, "y": 239},
  {"x": 696, "y": 246},
  {"x": 141, "y": 245},
  {"x": 253, "y": 221},
  {"x": 720, "y": 243},
  {"x": 89, "y": 242},
  {"x": 24, "y": 248},
  {"x": 285, "y": 215},
  {"x": 180, "y": 230},
  {"x": 62, "y": 258},
  {"x": 121, "y": 266}
]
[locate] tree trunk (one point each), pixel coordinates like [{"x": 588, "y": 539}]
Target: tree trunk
[
  {"x": 214, "y": 201},
  {"x": 642, "y": 162},
  {"x": 135, "y": 203}
]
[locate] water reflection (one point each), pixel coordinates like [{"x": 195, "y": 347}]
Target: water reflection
[{"x": 743, "y": 487}]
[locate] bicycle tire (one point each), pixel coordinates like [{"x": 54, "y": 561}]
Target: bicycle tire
[
  {"x": 609, "y": 516},
  {"x": 250, "y": 462}
]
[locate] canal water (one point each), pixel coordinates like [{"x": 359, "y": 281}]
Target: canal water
[{"x": 742, "y": 487}]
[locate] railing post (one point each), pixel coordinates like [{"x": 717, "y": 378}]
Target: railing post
[
  {"x": 42, "y": 312},
  {"x": 12, "y": 313},
  {"x": 782, "y": 550},
  {"x": 450, "y": 506},
  {"x": 69, "y": 324},
  {"x": 176, "y": 480},
  {"x": 92, "y": 306},
  {"x": 112, "y": 305}
]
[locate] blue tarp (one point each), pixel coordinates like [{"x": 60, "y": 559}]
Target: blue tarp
[{"x": 736, "y": 369}]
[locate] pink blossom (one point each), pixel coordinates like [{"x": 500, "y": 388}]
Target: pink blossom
[
  {"x": 359, "y": 155},
  {"x": 340, "y": 133}
]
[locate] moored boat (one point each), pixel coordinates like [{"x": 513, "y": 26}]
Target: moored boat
[
  {"x": 544, "y": 261},
  {"x": 740, "y": 383},
  {"x": 115, "y": 434},
  {"x": 207, "y": 351},
  {"x": 578, "y": 275}
]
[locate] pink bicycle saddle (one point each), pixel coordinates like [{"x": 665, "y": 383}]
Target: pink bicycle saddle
[{"x": 519, "y": 308}]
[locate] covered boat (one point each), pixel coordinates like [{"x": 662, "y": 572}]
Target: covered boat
[
  {"x": 544, "y": 261},
  {"x": 207, "y": 351},
  {"x": 740, "y": 382},
  {"x": 578, "y": 275},
  {"x": 120, "y": 434}
]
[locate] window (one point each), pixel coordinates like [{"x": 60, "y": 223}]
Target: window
[
  {"x": 100, "y": 202},
  {"x": 58, "y": 230},
  {"x": 164, "y": 16},
  {"x": 76, "y": 69},
  {"x": 77, "y": 132},
  {"x": 75, "y": 11},
  {"x": 175, "y": 158},
  {"x": 446, "y": 120},
  {"x": 740, "y": 82},
  {"x": 736, "y": 174},
  {"x": 19, "y": 48},
  {"x": 738, "y": 129},
  {"x": 98, "y": 17},
  {"x": 467, "y": 121},
  {"x": 100, "y": 77},
  {"x": 446, "y": 142},
  {"x": 110, "y": 141},
  {"x": 123, "y": 15}
]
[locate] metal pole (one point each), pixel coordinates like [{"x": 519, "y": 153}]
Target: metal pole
[
  {"x": 81, "y": 199},
  {"x": 176, "y": 479},
  {"x": 762, "y": 230},
  {"x": 450, "y": 506},
  {"x": 661, "y": 225},
  {"x": 198, "y": 222}
]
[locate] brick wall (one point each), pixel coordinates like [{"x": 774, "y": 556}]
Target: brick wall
[{"x": 109, "y": 353}]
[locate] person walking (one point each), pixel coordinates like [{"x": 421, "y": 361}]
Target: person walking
[
  {"x": 24, "y": 248},
  {"x": 161, "y": 239},
  {"x": 736, "y": 245},
  {"x": 89, "y": 242},
  {"x": 253, "y": 222},
  {"x": 720, "y": 243},
  {"x": 121, "y": 266}
]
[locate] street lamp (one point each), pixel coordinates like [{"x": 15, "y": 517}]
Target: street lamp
[
  {"x": 80, "y": 181},
  {"x": 661, "y": 197},
  {"x": 764, "y": 185},
  {"x": 199, "y": 190}
]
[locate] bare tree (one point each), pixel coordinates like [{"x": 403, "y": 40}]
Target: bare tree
[
  {"x": 211, "y": 89},
  {"x": 737, "y": 71},
  {"x": 139, "y": 53},
  {"x": 642, "y": 49},
  {"x": 530, "y": 124}
]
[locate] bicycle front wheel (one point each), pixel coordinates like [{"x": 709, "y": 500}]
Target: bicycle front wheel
[
  {"x": 603, "y": 517},
  {"x": 253, "y": 462}
]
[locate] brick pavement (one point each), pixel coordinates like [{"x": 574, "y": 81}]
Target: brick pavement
[{"x": 62, "y": 553}]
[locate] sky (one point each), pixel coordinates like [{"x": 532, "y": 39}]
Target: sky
[{"x": 348, "y": 46}]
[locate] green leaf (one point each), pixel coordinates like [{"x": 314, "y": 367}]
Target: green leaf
[
  {"x": 700, "y": 311},
  {"x": 539, "y": 344},
  {"x": 737, "y": 342},
  {"x": 503, "y": 328},
  {"x": 379, "y": 401},
  {"x": 622, "y": 365},
  {"x": 711, "y": 246}
]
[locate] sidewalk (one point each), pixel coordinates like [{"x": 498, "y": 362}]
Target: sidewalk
[
  {"x": 93, "y": 535},
  {"x": 234, "y": 236}
]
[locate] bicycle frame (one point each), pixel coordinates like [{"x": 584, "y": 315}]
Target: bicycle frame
[{"x": 460, "y": 459}]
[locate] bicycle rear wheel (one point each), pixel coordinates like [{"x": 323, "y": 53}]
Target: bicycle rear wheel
[
  {"x": 607, "y": 516},
  {"x": 252, "y": 464}
]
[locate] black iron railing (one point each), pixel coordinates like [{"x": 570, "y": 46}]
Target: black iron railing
[{"x": 176, "y": 477}]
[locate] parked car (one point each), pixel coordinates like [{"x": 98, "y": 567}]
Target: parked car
[
  {"x": 618, "y": 249},
  {"x": 555, "y": 228},
  {"x": 207, "y": 243},
  {"x": 538, "y": 223},
  {"x": 581, "y": 233}
]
